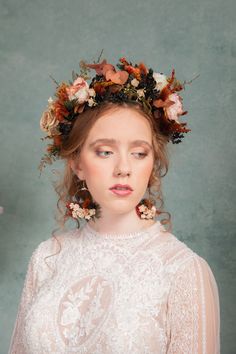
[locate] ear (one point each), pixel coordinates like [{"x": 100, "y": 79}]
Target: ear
[{"x": 76, "y": 167}]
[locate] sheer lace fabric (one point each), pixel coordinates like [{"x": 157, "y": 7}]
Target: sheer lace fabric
[{"x": 140, "y": 293}]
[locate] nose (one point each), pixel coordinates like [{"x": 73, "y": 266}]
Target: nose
[
  {"x": 123, "y": 173},
  {"x": 122, "y": 167}
]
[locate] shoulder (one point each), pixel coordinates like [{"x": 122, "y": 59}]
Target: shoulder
[
  {"x": 55, "y": 243},
  {"x": 44, "y": 258},
  {"x": 183, "y": 257}
]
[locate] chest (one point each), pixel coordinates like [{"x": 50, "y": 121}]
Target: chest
[{"x": 103, "y": 297}]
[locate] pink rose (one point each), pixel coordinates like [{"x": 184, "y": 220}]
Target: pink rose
[
  {"x": 79, "y": 90},
  {"x": 174, "y": 110}
]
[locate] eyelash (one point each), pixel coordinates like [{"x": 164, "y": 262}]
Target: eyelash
[{"x": 143, "y": 154}]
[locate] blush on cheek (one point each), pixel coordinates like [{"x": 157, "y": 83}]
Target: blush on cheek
[
  {"x": 94, "y": 170},
  {"x": 147, "y": 169}
]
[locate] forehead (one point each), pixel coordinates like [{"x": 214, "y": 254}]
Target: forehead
[{"x": 121, "y": 124}]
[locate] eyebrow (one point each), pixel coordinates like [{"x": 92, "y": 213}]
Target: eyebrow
[{"x": 115, "y": 142}]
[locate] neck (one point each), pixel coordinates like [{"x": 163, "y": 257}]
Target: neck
[{"x": 121, "y": 223}]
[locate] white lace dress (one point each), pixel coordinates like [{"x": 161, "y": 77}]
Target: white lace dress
[{"x": 140, "y": 293}]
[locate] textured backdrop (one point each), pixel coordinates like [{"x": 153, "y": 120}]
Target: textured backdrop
[{"x": 39, "y": 38}]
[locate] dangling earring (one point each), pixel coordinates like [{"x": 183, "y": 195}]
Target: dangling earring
[
  {"x": 146, "y": 208},
  {"x": 85, "y": 208}
]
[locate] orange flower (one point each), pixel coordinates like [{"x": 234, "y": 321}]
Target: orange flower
[
  {"x": 50, "y": 148},
  {"x": 171, "y": 104},
  {"x": 134, "y": 71},
  {"x": 164, "y": 101},
  {"x": 60, "y": 110},
  {"x": 57, "y": 140},
  {"x": 119, "y": 77},
  {"x": 97, "y": 67},
  {"x": 141, "y": 69},
  {"x": 100, "y": 87},
  {"x": 61, "y": 92},
  {"x": 108, "y": 70},
  {"x": 177, "y": 86}
]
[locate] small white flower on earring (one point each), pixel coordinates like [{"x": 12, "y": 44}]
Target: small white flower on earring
[
  {"x": 83, "y": 213},
  {"x": 147, "y": 213}
]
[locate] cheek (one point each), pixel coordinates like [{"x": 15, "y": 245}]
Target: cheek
[
  {"x": 145, "y": 170},
  {"x": 94, "y": 168}
]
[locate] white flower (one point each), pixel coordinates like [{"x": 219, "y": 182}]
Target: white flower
[
  {"x": 91, "y": 102},
  {"x": 50, "y": 101},
  {"x": 80, "y": 213},
  {"x": 74, "y": 214},
  {"x": 142, "y": 208},
  {"x": 161, "y": 81},
  {"x": 92, "y": 92},
  {"x": 147, "y": 213},
  {"x": 134, "y": 82},
  {"x": 140, "y": 93},
  {"x": 81, "y": 95}
]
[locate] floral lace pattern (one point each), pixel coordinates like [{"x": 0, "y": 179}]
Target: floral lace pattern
[{"x": 140, "y": 293}]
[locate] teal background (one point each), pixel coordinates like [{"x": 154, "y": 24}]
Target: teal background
[{"x": 39, "y": 38}]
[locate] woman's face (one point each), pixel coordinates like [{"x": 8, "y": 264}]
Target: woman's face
[{"x": 119, "y": 141}]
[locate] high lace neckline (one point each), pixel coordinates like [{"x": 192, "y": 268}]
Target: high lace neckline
[{"x": 157, "y": 226}]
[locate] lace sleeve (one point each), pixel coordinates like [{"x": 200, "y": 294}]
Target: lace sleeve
[
  {"x": 194, "y": 310},
  {"x": 29, "y": 287},
  {"x": 37, "y": 273}
]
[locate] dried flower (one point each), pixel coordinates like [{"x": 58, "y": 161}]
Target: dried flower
[
  {"x": 147, "y": 213},
  {"x": 91, "y": 102},
  {"x": 134, "y": 82},
  {"x": 176, "y": 109},
  {"x": 140, "y": 93},
  {"x": 153, "y": 90},
  {"x": 79, "y": 90},
  {"x": 78, "y": 212},
  {"x": 48, "y": 122},
  {"x": 161, "y": 80}
]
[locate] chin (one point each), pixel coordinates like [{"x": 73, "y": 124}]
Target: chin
[{"x": 123, "y": 209}]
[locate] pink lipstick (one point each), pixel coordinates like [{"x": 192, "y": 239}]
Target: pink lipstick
[{"x": 121, "y": 189}]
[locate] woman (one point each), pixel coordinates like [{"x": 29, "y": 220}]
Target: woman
[{"x": 120, "y": 283}]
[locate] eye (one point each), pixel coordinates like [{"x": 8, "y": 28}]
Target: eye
[
  {"x": 141, "y": 155},
  {"x": 99, "y": 153}
]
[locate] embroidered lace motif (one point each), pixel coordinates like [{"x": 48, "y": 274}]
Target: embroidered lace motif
[{"x": 140, "y": 293}]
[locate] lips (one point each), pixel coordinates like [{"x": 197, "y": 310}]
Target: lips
[
  {"x": 121, "y": 187},
  {"x": 121, "y": 190}
]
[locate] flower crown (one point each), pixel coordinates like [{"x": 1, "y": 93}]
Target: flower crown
[{"x": 131, "y": 83}]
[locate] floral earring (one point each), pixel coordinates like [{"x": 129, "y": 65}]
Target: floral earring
[
  {"x": 84, "y": 208},
  {"x": 146, "y": 209}
]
